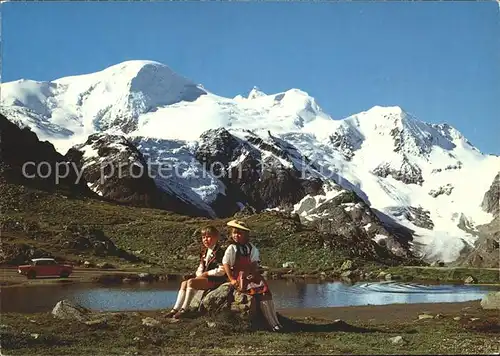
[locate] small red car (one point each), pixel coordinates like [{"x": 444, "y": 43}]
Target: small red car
[{"x": 46, "y": 267}]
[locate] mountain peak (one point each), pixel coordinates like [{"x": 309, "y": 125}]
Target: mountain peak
[
  {"x": 255, "y": 93},
  {"x": 386, "y": 111}
]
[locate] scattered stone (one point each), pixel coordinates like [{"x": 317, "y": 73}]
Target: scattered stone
[
  {"x": 150, "y": 321},
  {"x": 388, "y": 277},
  {"x": 173, "y": 321},
  {"x": 211, "y": 324},
  {"x": 97, "y": 322},
  {"x": 137, "y": 338},
  {"x": 347, "y": 265},
  {"x": 105, "y": 265},
  {"x": 68, "y": 310},
  {"x": 457, "y": 318},
  {"x": 289, "y": 265},
  {"x": 437, "y": 264},
  {"x": 474, "y": 319},
  {"x": 4, "y": 326},
  {"x": 470, "y": 280},
  {"x": 87, "y": 264},
  {"x": 397, "y": 340},
  {"x": 145, "y": 277},
  {"x": 425, "y": 316},
  {"x": 439, "y": 316},
  {"x": 491, "y": 301},
  {"x": 35, "y": 336},
  {"x": 381, "y": 275}
]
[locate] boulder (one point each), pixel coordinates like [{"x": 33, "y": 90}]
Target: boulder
[
  {"x": 397, "y": 340},
  {"x": 147, "y": 277},
  {"x": 491, "y": 301},
  {"x": 105, "y": 265},
  {"x": 437, "y": 264},
  {"x": 470, "y": 280},
  {"x": 347, "y": 265},
  {"x": 150, "y": 322},
  {"x": 225, "y": 298},
  {"x": 68, "y": 310},
  {"x": 425, "y": 316}
]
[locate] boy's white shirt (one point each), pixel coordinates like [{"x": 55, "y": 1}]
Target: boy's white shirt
[
  {"x": 230, "y": 255},
  {"x": 219, "y": 271}
]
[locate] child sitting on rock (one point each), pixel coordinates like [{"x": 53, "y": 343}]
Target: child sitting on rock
[
  {"x": 241, "y": 261},
  {"x": 209, "y": 275}
]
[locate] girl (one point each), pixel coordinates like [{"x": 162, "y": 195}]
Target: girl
[
  {"x": 241, "y": 261},
  {"x": 209, "y": 275}
]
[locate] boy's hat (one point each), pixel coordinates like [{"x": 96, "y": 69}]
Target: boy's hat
[{"x": 238, "y": 225}]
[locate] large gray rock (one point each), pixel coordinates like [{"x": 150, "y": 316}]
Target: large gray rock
[
  {"x": 470, "y": 280},
  {"x": 225, "y": 298},
  {"x": 491, "y": 199},
  {"x": 217, "y": 299},
  {"x": 485, "y": 253},
  {"x": 347, "y": 265},
  {"x": 68, "y": 310},
  {"x": 491, "y": 301}
]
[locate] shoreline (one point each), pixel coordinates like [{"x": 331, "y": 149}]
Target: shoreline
[
  {"x": 9, "y": 277},
  {"x": 352, "y": 313}
]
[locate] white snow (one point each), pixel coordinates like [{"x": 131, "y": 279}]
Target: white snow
[{"x": 166, "y": 113}]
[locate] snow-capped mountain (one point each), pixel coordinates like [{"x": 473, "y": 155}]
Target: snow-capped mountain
[{"x": 427, "y": 177}]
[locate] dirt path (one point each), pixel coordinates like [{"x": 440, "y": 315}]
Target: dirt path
[
  {"x": 448, "y": 268},
  {"x": 10, "y": 276},
  {"x": 385, "y": 313}
]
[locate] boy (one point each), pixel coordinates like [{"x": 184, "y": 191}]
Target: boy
[{"x": 209, "y": 275}]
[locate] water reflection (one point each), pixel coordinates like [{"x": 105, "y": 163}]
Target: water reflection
[{"x": 287, "y": 294}]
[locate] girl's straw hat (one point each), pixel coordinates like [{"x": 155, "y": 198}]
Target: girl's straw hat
[{"x": 238, "y": 225}]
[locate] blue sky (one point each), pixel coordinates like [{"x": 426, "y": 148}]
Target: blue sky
[{"x": 438, "y": 60}]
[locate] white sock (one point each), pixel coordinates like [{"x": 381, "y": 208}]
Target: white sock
[
  {"x": 180, "y": 299},
  {"x": 189, "y": 296},
  {"x": 267, "y": 307}
]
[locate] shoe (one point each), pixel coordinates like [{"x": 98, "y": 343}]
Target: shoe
[
  {"x": 179, "y": 314},
  {"x": 277, "y": 328},
  {"x": 171, "y": 313}
]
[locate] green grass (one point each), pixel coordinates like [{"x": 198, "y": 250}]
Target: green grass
[
  {"x": 124, "y": 334},
  {"x": 161, "y": 239},
  {"x": 164, "y": 242}
]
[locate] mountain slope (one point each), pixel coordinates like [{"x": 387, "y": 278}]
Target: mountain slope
[
  {"x": 427, "y": 177},
  {"x": 26, "y": 160}
]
